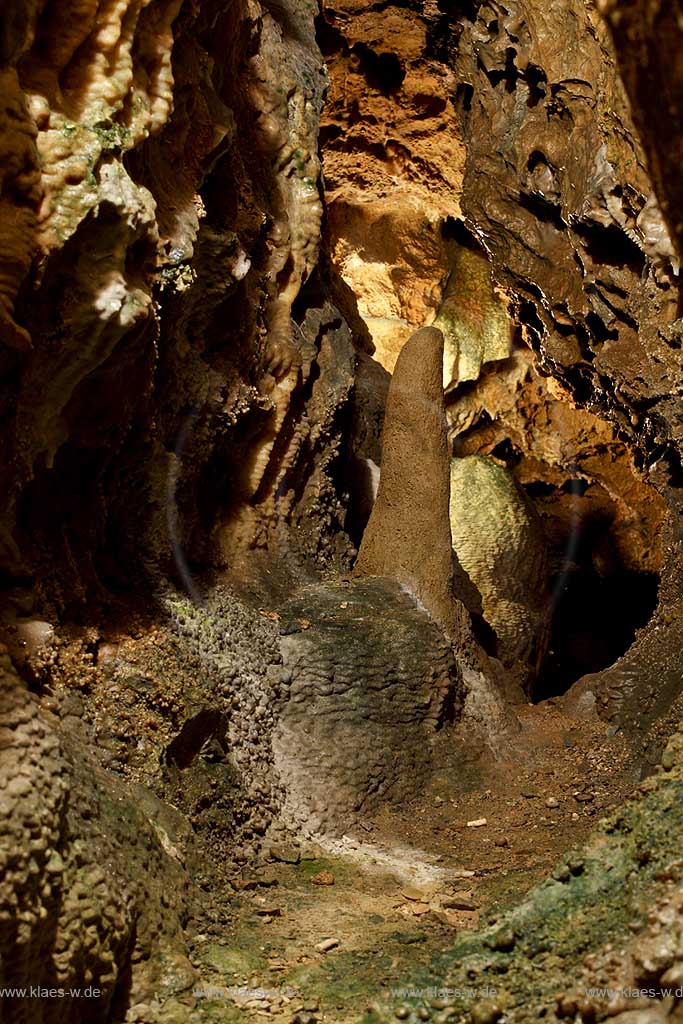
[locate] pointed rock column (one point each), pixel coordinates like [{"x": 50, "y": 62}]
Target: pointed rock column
[{"x": 408, "y": 536}]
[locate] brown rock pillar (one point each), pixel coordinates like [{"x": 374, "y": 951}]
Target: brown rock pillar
[{"x": 408, "y": 536}]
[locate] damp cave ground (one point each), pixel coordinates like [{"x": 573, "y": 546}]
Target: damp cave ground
[{"x": 414, "y": 877}]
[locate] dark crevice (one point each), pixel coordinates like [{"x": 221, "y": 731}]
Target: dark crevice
[
  {"x": 599, "y": 329},
  {"x": 619, "y": 312},
  {"x": 539, "y": 489},
  {"x": 204, "y": 727},
  {"x": 580, "y": 383},
  {"x": 463, "y": 96},
  {"x": 506, "y": 452},
  {"x": 537, "y": 81},
  {"x": 457, "y": 9},
  {"x": 594, "y": 622},
  {"x": 543, "y": 210},
  {"x": 383, "y": 71},
  {"x": 528, "y": 314},
  {"x": 329, "y": 38},
  {"x": 456, "y": 230},
  {"x": 610, "y": 246}
]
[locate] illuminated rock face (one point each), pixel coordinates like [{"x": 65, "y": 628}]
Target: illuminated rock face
[
  {"x": 393, "y": 162},
  {"x": 499, "y": 542},
  {"x": 162, "y": 211}
]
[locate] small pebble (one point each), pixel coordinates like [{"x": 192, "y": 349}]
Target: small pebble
[
  {"x": 552, "y": 802},
  {"x": 459, "y": 902},
  {"x": 326, "y": 945},
  {"x": 503, "y": 941},
  {"x": 323, "y": 878},
  {"x": 485, "y": 1013},
  {"x": 477, "y": 823}
]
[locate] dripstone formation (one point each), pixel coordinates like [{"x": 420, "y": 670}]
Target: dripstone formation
[
  {"x": 369, "y": 684},
  {"x": 500, "y": 544},
  {"x": 408, "y": 535}
]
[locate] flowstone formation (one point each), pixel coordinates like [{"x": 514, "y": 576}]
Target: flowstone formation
[
  {"x": 89, "y": 897},
  {"x": 498, "y": 541},
  {"x": 162, "y": 212},
  {"x": 370, "y": 682}
]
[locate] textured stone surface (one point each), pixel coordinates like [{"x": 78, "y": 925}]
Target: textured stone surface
[
  {"x": 547, "y": 442},
  {"x": 161, "y": 213},
  {"x": 408, "y": 536},
  {"x": 473, "y": 317},
  {"x": 88, "y": 895},
  {"x": 647, "y": 36},
  {"x": 499, "y": 542},
  {"x": 598, "y": 939},
  {"x": 370, "y": 681},
  {"x": 393, "y": 165}
]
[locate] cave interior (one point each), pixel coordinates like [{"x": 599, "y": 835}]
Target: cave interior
[{"x": 341, "y": 362}]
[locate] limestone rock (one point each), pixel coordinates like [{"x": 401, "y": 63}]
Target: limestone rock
[
  {"x": 372, "y": 681},
  {"x": 87, "y": 891},
  {"x": 408, "y": 536},
  {"x": 499, "y": 542}
]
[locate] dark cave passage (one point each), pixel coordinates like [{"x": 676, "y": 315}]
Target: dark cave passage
[
  {"x": 595, "y": 619},
  {"x": 597, "y": 603}
]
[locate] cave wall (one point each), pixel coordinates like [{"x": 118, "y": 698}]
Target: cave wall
[
  {"x": 180, "y": 379},
  {"x": 557, "y": 190},
  {"x": 165, "y": 406},
  {"x": 554, "y": 189},
  {"x": 161, "y": 212}
]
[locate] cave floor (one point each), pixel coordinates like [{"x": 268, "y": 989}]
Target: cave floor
[{"x": 391, "y": 896}]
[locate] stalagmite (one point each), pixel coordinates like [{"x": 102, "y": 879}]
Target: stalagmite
[{"x": 408, "y": 537}]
